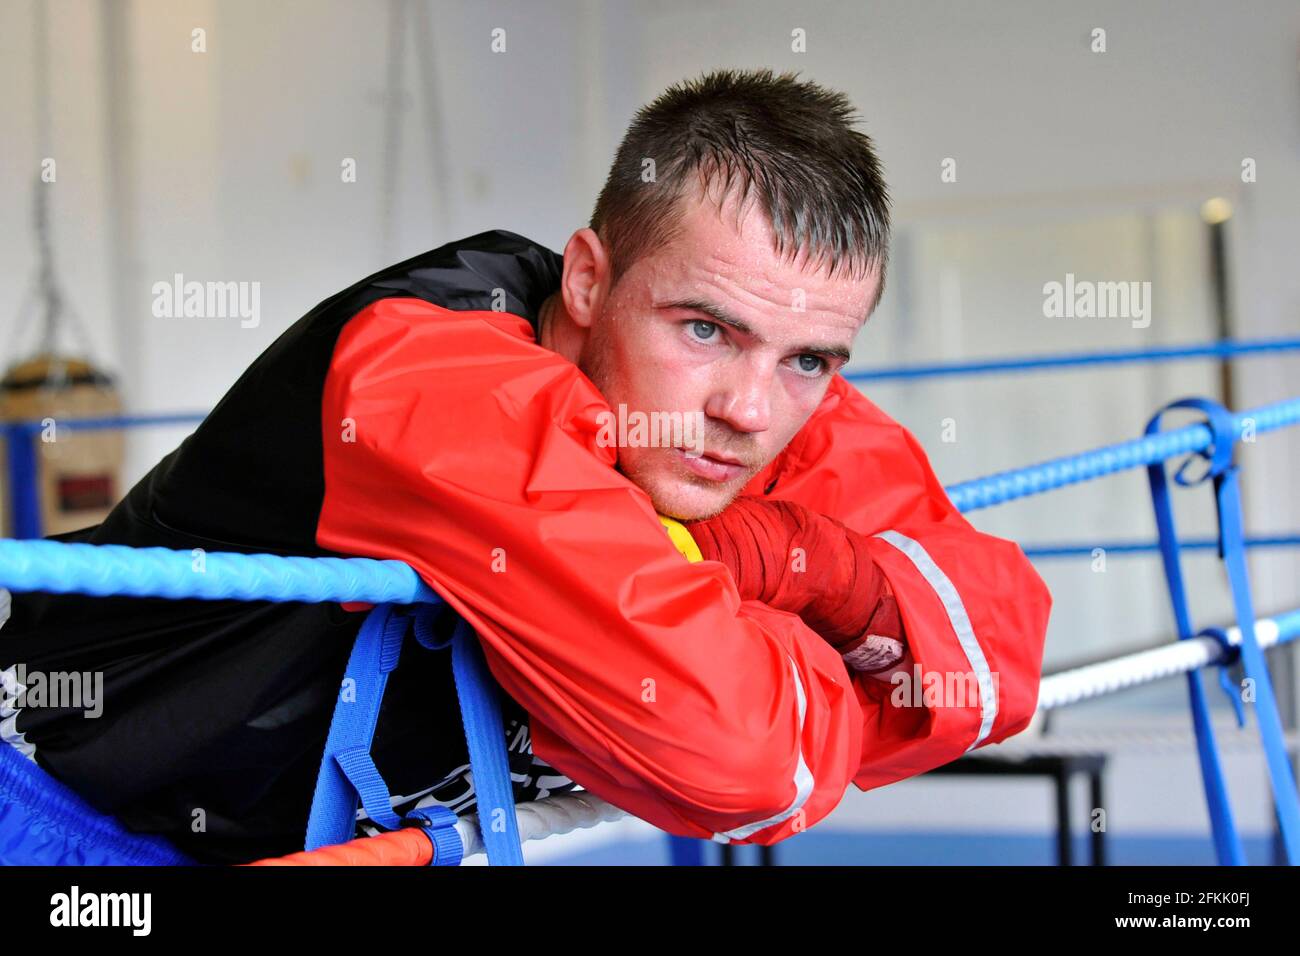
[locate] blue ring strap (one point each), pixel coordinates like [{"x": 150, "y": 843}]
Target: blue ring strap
[
  {"x": 1286, "y": 800},
  {"x": 348, "y": 769},
  {"x": 333, "y": 816},
  {"x": 485, "y": 734},
  {"x": 1227, "y": 841},
  {"x": 359, "y": 767},
  {"x": 439, "y": 825},
  {"x": 1223, "y": 429},
  {"x": 1231, "y": 656}
]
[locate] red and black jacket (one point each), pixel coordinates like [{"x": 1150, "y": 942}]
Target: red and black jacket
[{"x": 415, "y": 417}]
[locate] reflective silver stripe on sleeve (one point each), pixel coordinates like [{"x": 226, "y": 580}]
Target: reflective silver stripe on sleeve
[
  {"x": 803, "y": 778},
  {"x": 961, "y": 625}
]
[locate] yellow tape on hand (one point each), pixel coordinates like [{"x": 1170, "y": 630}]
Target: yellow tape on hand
[{"x": 682, "y": 540}]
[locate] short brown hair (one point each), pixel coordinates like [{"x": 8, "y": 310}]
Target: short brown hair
[{"x": 817, "y": 179}]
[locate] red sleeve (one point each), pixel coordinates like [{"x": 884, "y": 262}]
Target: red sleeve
[
  {"x": 452, "y": 441},
  {"x": 974, "y": 609}
]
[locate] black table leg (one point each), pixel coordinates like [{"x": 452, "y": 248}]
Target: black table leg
[
  {"x": 1098, "y": 833},
  {"x": 1064, "y": 851}
]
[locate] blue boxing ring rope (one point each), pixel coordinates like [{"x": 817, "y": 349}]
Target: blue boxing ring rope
[
  {"x": 1223, "y": 348},
  {"x": 41, "y": 820}
]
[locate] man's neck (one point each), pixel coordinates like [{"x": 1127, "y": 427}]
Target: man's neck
[{"x": 557, "y": 331}]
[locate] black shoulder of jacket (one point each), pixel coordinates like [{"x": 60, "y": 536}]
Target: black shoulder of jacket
[{"x": 250, "y": 477}]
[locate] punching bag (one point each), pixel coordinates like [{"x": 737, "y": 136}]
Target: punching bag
[{"x": 77, "y": 473}]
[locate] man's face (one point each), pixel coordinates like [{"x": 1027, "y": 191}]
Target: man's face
[{"x": 716, "y": 327}]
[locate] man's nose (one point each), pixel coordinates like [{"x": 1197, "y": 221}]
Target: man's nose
[{"x": 744, "y": 399}]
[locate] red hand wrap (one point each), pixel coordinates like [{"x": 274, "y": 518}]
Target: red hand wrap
[{"x": 794, "y": 559}]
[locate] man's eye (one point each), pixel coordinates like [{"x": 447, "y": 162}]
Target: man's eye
[
  {"x": 704, "y": 331},
  {"x": 810, "y": 364}
]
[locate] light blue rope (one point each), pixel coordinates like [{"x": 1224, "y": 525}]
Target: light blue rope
[
  {"x": 108, "y": 569},
  {"x": 1225, "y": 348},
  {"x": 1139, "y": 452}
]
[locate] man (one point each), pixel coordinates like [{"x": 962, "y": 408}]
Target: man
[{"x": 453, "y": 411}]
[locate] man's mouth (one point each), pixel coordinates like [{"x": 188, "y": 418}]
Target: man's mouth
[{"x": 711, "y": 465}]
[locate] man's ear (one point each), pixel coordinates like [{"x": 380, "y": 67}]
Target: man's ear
[{"x": 585, "y": 283}]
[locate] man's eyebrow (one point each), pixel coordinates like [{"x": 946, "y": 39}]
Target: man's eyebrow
[{"x": 722, "y": 317}]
